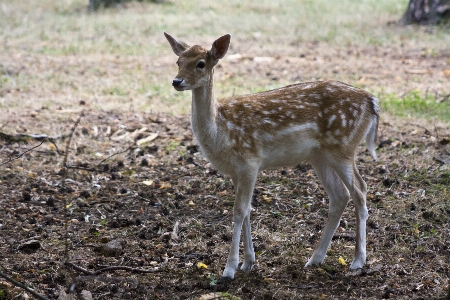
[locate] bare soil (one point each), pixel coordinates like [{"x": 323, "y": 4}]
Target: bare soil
[
  {"x": 162, "y": 215},
  {"x": 164, "y": 209}
]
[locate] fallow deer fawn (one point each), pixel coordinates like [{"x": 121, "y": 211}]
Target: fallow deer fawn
[{"x": 319, "y": 122}]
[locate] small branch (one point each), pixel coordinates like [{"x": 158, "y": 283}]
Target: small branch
[
  {"x": 21, "y": 154},
  {"x": 23, "y": 137},
  {"x": 16, "y": 283},
  {"x": 106, "y": 269},
  {"x": 422, "y": 127},
  {"x": 82, "y": 168},
  {"x": 113, "y": 268},
  {"x": 63, "y": 186},
  {"x": 78, "y": 268},
  {"x": 75, "y": 125},
  {"x": 117, "y": 153}
]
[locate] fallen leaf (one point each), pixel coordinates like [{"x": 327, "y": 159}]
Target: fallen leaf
[
  {"x": 266, "y": 198},
  {"x": 165, "y": 185},
  {"x": 268, "y": 279},
  {"x": 342, "y": 261},
  {"x": 201, "y": 265},
  {"x": 447, "y": 73}
]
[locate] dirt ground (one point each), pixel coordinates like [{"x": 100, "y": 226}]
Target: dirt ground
[{"x": 159, "y": 213}]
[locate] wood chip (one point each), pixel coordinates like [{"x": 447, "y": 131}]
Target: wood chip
[
  {"x": 150, "y": 138},
  {"x": 417, "y": 71}
]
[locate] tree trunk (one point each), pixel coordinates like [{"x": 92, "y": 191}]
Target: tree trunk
[{"x": 426, "y": 12}]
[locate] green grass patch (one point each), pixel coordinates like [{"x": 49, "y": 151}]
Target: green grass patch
[{"x": 416, "y": 105}]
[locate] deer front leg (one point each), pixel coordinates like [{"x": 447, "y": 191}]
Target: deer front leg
[{"x": 244, "y": 184}]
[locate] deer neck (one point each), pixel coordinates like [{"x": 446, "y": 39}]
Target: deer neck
[{"x": 204, "y": 110}]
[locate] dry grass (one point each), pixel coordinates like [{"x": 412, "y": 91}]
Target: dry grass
[{"x": 56, "y": 54}]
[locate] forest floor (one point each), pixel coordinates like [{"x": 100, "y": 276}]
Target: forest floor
[{"x": 160, "y": 207}]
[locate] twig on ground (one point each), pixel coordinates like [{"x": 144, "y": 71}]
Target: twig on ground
[
  {"x": 107, "y": 268},
  {"x": 25, "y": 138},
  {"x": 124, "y": 268},
  {"x": 190, "y": 160},
  {"x": 21, "y": 154},
  {"x": 64, "y": 174},
  {"x": 82, "y": 168},
  {"x": 427, "y": 132},
  {"x": 117, "y": 153},
  {"x": 16, "y": 283}
]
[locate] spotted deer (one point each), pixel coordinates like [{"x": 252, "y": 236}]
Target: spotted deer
[{"x": 320, "y": 122}]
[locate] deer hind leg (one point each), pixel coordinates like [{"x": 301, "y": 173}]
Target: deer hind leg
[
  {"x": 249, "y": 253},
  {"x": 244, "y": 184},
  {"x": 358, "y": 190},
  {"x": 339, "y": 197},
  {"x": 361, "y": 217}
]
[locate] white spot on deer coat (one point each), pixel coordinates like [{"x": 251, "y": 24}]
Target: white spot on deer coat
[{"x": 301, "y": 127}]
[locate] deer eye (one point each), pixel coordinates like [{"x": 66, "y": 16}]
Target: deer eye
[{"x": 201, "y": 64}]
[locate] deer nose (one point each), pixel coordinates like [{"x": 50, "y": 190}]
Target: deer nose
[{"x": 177, "y": 82}]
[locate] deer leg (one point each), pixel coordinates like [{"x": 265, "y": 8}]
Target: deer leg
[
  {"x": 361, "y": 218},
  {"x": 244, "y": 184},
  {"x": 249, "y": 253},
  {"x": 358, "y": 191},
  {"x": 339, "y": 197}
]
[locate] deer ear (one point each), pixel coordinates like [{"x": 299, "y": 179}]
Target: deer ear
[
  {"x": 178, "y": 47},
  {"x": 220, "y": 47}
]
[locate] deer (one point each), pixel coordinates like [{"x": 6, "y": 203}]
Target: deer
[{"x": 319, "y": 122}]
